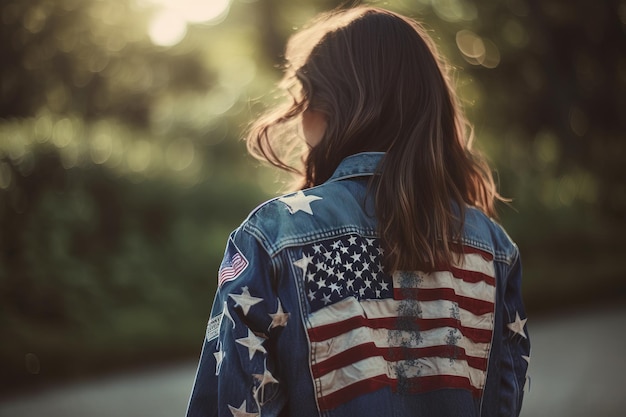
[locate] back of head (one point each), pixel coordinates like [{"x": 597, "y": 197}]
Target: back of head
[
  {"x": 378, "y": 80},
  {"x": 375, "y": 78}
]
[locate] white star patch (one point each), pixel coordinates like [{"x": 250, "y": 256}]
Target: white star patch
[
  {"x": 253, "y": 342},
  {"x": 241, "y": 411},
  {"x": 299, "y": 202},
  {"x": 517, "y": 326},
  {"x": 280, "y": 318},
  {"x": 245, "y": 300},
  {"x": 263, "y": 379},
  {"x": 226, "y": 312},
  {"x": 219, "y": 358},
  {"x": 304, "y": 262}
]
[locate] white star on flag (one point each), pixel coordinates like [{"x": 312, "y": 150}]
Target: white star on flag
[
  {"x": 299, "y": 202},
  {"x": 326, "y": 299},
  {"x": 334, "y": 287},
  {"x": 280, "y": 318},
  {"x": 253, "y": 342},
  {"x": 518, "y": 325},
  {"x": 244, "y": 300},
  {"x": 321, "y": 283},
  {"x": 241, "y": 411}
]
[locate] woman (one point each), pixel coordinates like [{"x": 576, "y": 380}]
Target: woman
[{"x": 381, "y": 287}]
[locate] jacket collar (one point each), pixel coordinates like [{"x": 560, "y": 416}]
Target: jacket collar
[{"x": 357, "y": 165}]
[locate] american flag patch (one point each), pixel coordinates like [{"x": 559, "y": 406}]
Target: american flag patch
[
  {"x": 413, "y": 332},
  {"x": 233, "y": 265}
]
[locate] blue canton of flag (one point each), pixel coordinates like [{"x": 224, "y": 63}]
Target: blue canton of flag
[{"x": 348, "y": 266}]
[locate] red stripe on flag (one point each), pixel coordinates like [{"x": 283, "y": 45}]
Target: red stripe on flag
[
  {"x": 410, "y": 386},
  {"x": 394, "y": 354},
  {"x": 466, "y": 275},
  {"x": 352, "y": 391},
  {"x": 474, "y": 306},
  {"x": 464, "y": 249},
  {"x": 472, "y": 276}
]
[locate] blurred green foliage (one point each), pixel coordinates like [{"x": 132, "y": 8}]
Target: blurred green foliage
[{"x": 121, "y": 173}]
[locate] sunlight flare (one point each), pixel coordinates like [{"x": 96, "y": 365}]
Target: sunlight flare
[{"x": 169, "y": 24}]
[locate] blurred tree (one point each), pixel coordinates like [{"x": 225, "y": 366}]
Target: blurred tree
[
  {"x": 119, "y": 181},
  {"x": 90, "y": 58},
  {"x": 567, "y": 101}
]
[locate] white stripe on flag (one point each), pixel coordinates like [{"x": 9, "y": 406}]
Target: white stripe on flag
[
  {"x": 384, "y": 338},
  {"x": 374, "y": 309}
]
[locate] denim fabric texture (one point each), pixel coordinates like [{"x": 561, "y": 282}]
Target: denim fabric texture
[{"x": 306, "y": 322}]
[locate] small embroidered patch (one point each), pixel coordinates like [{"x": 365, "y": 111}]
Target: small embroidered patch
[
  {"x": 232, "y": 266},
  {"x": 213, "y": 328}
]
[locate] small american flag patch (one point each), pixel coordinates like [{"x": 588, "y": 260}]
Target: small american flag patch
[{"x": 232, "y": 266}]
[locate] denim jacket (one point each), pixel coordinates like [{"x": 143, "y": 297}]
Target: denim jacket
[{"x": 306, "y": 322}]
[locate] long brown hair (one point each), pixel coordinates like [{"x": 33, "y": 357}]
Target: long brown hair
[{"x": 379, "y": 81}]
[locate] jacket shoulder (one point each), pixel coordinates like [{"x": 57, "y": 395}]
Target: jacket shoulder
[
  {"x": 485, "y": 233},
  {"x": 279, "y": 221},
  {"x": 314, "y": 213}
]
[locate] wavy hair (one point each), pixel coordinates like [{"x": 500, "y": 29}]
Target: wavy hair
[{"x": 378, "y": 80}]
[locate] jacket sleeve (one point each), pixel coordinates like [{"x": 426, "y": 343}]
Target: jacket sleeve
[
  {"x": 237, "y": 373},
  {"x": 515, "y": 356}
]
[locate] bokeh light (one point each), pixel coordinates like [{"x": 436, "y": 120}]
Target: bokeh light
[
  {"x": 167, "y": 28},
  {"x": 455, "y": 10},
  {"x": 477, "y": 50},
  {"x": 169, "y": 25}
]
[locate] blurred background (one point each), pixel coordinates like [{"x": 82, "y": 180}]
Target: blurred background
[{"x": 122, "y": 170}]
